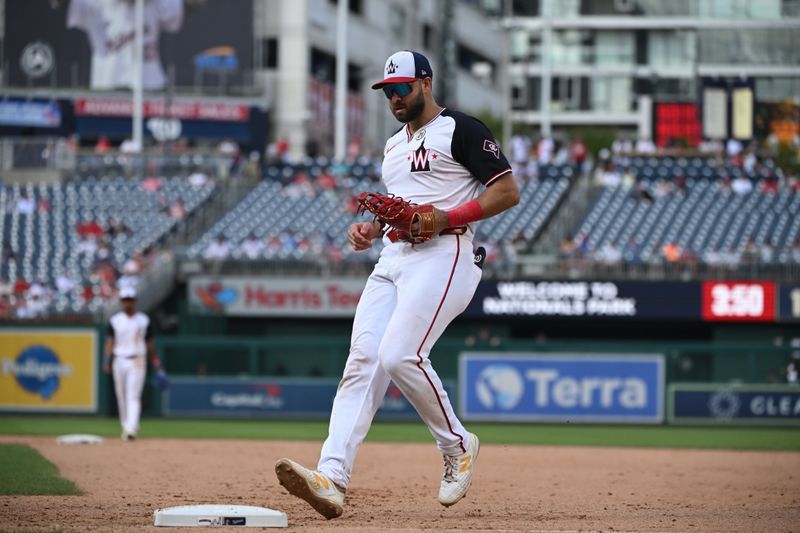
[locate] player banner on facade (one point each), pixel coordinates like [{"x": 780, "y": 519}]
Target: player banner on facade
[
  {"x": 734, "y": 405},
  {"x": 271, "y": 398},
  {"x": 48, "y": 370},
  {"x": 526, "y": 387}
]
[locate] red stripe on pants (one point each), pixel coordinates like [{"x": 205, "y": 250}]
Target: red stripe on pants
[{"x": 430, "y": 327}]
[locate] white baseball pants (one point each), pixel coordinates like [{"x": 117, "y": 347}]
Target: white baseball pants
[
  {"x": 413, "y": 293},
  {"x": 129, "y": 377}
]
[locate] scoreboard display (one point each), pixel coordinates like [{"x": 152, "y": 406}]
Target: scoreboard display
[{"x": 677, "y": 124}]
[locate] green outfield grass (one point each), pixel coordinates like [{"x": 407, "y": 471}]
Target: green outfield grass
[
  {"x": 530, "y": 434},
  {"x": 24, "y": 472}
]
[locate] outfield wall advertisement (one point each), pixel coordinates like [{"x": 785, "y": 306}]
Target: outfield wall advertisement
[
  {"x": 533, "y": 387},
  {"x": 271, "y": 398},
  {"x": 710, "y": 301},
  {"x": 48, "y": 370},
  {"x": 289, "y": 297},
  {"x": 734, "y": 405}
]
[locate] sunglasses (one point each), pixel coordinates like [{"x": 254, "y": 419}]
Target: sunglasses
[{"x": 402, "y": 89}]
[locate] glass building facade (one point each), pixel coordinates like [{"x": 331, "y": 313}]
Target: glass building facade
[{"x": 605, "y": 55}]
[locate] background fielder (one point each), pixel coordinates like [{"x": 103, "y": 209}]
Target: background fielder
[
  {"x": 440, "y": 157},
  {"x": 129, "y": 343}
]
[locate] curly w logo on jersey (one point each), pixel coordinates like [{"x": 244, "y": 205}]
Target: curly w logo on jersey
[{"x": 420, "y": 159}]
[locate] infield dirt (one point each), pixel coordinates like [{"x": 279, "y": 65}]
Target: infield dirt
[{"x": 394, "y": 487}]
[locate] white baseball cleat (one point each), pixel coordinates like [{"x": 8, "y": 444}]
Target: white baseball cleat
[
  {"x": 315, "y": 488},
  {"x": 457, "y": 475}
]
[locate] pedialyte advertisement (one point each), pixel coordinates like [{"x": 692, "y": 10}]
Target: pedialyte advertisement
[{"x": 48, "y": 370}]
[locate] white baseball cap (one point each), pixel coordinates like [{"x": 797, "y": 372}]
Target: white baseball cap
[
  {"x": 127, "y": 293},
  {"x": 405, "y": 66}
]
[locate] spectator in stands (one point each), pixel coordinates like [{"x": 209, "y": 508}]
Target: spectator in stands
[
  {"x": 198, "y": 178},
  {"x": 88, "y": 293},
  {"x": 724, "y": 183},
  {"x": 6, "y": 288},
  {"x": 793, "y": 369},
  {"x": 326, "y": 181},
  {"x": 520, "y": 150},
  {"x": 251, "y": 248},
  {"x": 770, "y": 184},
  {"x": 218, "y": 250},
  {"x": 578, "y": 152},
  {"x": 733, "y": 147},
  {"x": 228, "y": 147},
  {"x": 712, "y": 257},
  {"x": 7, "y": 255},
  {"x": 88, "y": 246},
  {"x": 679, "y": 184},
  {"x": 794, "y": 252},
  {"x": 289, "y": 241},
  {"x": 176, "y": 210},
  {"x": 544, "y": 150},
  {"x": 151, "y": 184},
  {"x": 610, "y": 177},
  {"x": 117, "y": 227},
  {"x": 44, "y": 206},
  {"x": 742, "y": 185},
  {"x": 632, "y": 251},
  {"x": 750, "y": 253},
  {"x": 25, "y": 205},
  {"x": 628, "y": 179},
  {"x": 730, "y": 258},
  {"x": 6, "y": 308},
  {"x": 65, "y": 283},
  {"x": 282, "y": 150},
  {"x": 766, "y": 252},
  {"x": 689, "y": 257},
  {"x": 567, "y": 248},
  {"x": 645, "y": 146},
  {"x": 585, "y": 246},
  {"x": 103, "y": 253},
  {"x": 90, "y": 227},
  {"x": 641, "y": 194},
  {"x": 35, "y": 303},
  {"x": 129, "y": 146},
  {"x": 299, "y": 187},
  {"x": 103, "y": 145},
  {"x": 622, "y": 146},
  {"x": 609, "y": 254},
  {"x": 21, "y": 286},
  {"x": 749, "y": 161},
  {"x": 671, "y": 252},
  {"x": 662, "y": 189},
  {"x": 710, "y": 146}
]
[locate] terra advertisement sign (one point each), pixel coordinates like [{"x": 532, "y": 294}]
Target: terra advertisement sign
[{"x": 567, "y": 387}]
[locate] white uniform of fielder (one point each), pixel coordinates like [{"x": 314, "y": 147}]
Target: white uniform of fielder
[
  {"x": 129, "y": 342},
  {"x": 444, "y": 158}
]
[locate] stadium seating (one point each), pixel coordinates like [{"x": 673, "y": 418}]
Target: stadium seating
[
  {"x": 46, "y": 243},
  {"x": 274, "y": 210},
  {"x": 707, "y": 215}
]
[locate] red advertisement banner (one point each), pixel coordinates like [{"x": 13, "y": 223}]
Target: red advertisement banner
[
  {"x": 739, "y": 301},
  {"x": 123, "y": 107}
]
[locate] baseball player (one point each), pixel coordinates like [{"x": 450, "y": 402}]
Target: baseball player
[
  {"x": 451, "y": 161},
  {"x": 129, "y": 342},
  {"x": 109, "y": 26}
]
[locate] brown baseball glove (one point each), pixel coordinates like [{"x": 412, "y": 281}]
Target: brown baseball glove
[{"x": 414, "y": 223}]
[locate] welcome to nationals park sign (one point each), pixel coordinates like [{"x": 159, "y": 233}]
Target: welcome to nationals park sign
[{"x": 709, "y": 301}]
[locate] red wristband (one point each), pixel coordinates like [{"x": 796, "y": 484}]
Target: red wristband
[{"x": 464, "y": 214}]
